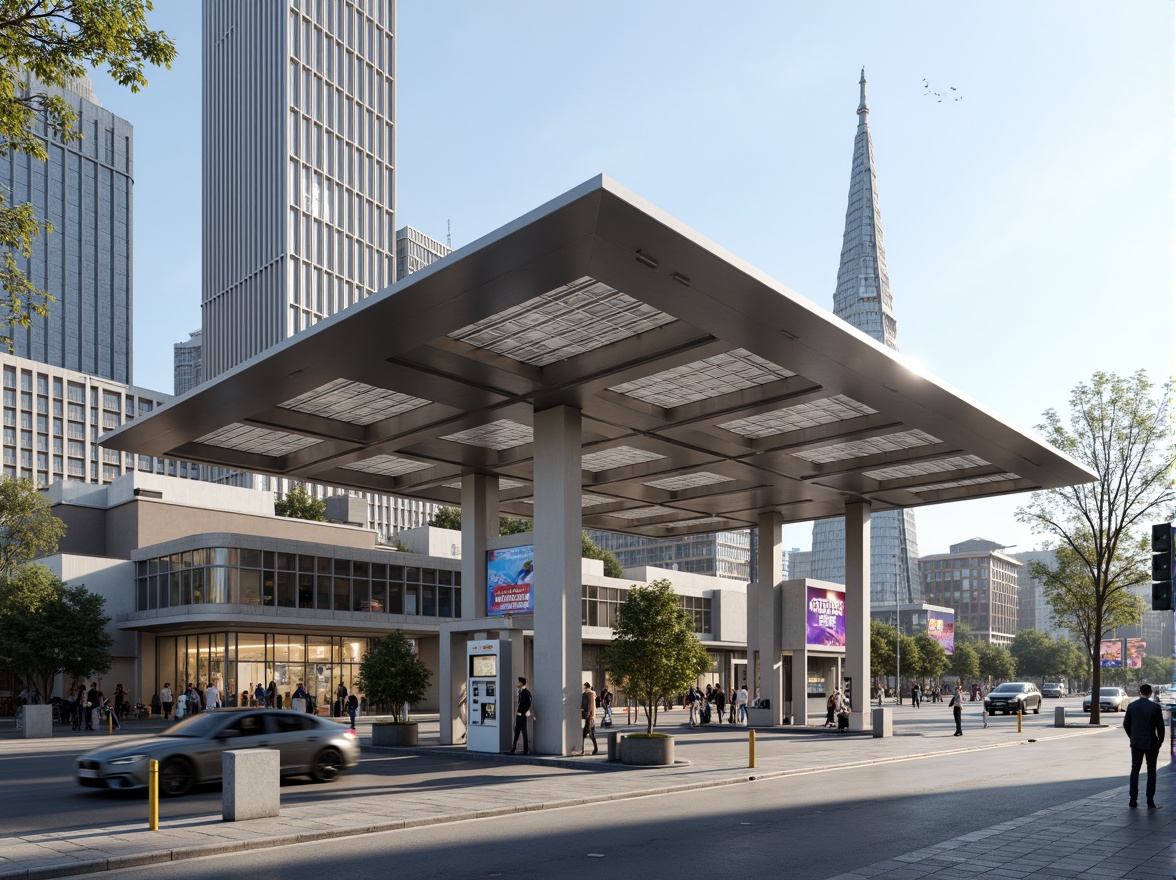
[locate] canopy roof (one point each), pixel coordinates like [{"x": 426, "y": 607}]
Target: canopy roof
[{"x": 710, "y": 392}]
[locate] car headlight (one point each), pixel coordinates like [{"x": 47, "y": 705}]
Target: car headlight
[{"x": 128, "y": 759}]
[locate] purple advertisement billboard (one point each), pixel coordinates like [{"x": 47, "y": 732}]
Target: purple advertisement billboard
[
  {"x": 510, "y": 575},
  {"x": 825, "y": 617},
  {"x": 941, "y": 627}
]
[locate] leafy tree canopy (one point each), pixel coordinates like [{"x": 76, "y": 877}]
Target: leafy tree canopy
[
  {"x": 965, "y": 661},
  {"x": 300, "y": 504},
  {"x": 996, "y": 663},
  {"x": 391, "y": 674},
  {"x": 48, "y": 628},
  {"x": 933, "y": 660},
  {"x": 1120, "y": 428},
  {"x": 882, "y": 639},
  {"x": 48, "y": 43},
  {"x": 655, "y": 653},
  {"x": 28, "y": 528}
]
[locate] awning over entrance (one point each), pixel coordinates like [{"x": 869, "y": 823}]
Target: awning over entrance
[{"x": 709, "y": 392}]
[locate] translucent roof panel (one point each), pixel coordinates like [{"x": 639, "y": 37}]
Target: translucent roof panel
[
  {"x": 683, "y": 523},
  {"x": 387, "y": 465},
  {"x": 643, "y": 512},
  {"x": 704, "y": 379},
  {"x": 975, "y": 481},
  {"x": 503, "y": 483},
  {"x": 587, "y": 499},
  {"x": 261, "y": 441},
  {"x": 794, "y": 418},
  {"x": 353, "y": 402},
  {"x": 688, "y": 481},
  {"x": 502, "y": 434},
  {"x": 565, "y": 322},
  {"x": 923, "y": 468},
  {"x": 620, "y": 456},
  {"x": 873, "y": 446}
]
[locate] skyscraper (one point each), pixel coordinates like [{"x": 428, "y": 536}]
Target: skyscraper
[
  {"x": 415, "y": 250},
  {"x": 186, "y": 363},
  {"x": 84, "y": 190},
  {"x": 863, "y": 299},
  {"x": 299, "y": 154}
]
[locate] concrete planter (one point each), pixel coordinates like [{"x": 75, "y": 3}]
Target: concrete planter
[
  {"x": 761, "y": 717},
  {"x": 388, "y": 733},
  {"x": 639, "y": 750}
]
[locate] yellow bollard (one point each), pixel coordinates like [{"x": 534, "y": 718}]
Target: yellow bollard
[
  {"x": 1018, "y": 721},
  {"x": 109, "y": 724},
  {"x": 751, "y": 749},
  {"x": 153, "y": 796}
]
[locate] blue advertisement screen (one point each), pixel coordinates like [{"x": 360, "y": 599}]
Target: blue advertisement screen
[{"x": 510, "y": 577}]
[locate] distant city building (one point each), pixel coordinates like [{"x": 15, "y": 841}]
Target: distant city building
[
  {"x": 863, "y": 299},
  {"x": 186, "y": 362},
  {"x": 1033, "y": 610},
  {"x": 54, "y": 418},
  {"x": 718, "y": 554},
  {"x": 415, "y": 250},
  {"x": 979, "y": 583},
  {"x": 798, "y": 564},
  {"x": 84, "y": 190},
  {"x": 299, "y": 153}
]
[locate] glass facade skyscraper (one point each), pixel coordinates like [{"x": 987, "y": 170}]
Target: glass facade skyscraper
[
  {"x": 84, "y": 190},
  {"x": 863, "y": 299}
]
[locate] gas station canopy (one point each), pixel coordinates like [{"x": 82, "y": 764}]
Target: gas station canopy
[{"x": 709, "y": 392}]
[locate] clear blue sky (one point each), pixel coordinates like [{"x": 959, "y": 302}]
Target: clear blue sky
[{"x": 1028, "y": 227}]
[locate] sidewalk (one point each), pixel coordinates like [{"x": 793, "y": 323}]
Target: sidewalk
[{"x": 1094, "y": 837}]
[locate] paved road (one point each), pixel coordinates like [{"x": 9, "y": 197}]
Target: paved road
[{"x": 815, "y": 825}]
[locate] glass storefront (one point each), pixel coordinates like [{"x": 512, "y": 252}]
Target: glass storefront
[{"x": 236, "y": 662}]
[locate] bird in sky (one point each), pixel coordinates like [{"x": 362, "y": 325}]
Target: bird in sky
[{"x": 940, "y": 96}]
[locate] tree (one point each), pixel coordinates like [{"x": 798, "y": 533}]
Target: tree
[
  {"x": 882, "y": 638},
  {"x": 48, "y": 628},
  {"x": 909, "y": 659},
  {"x": 589, "y": 549},
  {"x": 1156, "y": 670},
  {"x": 446, "y": 518},
  {"x": 28, "y": 528},
  {"x": 655, "y": 653},
  {"x": 1033, "y": 652},
  {"x": 933, "y": 660},
  {"x": 996, "y": 663},
  {"x": 46, "y": 43},
  {"x": 965, "y": 662},
  {"x": 1121, "y": 428},
  {"x": 514, "y": 525},
  {"x": 391, "y": 674},
  {"x": 300, "y": 504}
]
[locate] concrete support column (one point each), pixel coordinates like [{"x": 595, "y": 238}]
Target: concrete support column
[
  {"x": 857, "y": 610},
  {"x": 558, "y": 643},
  {"x": 765, "y": 623},
  {"x": 451, "y": 673}
]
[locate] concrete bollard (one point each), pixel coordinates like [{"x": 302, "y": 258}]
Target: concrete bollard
[
  {"x": 252, "y": 778},
  {"x": 882, "y": 721},
  {"x": 38, "y": 721},
  {"x": 1059, "y": 716}
]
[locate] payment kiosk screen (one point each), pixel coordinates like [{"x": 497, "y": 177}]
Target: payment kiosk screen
[{"x": 484, "y": 666}]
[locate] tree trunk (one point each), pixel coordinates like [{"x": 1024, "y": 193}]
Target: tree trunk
[{"x": 1096, "y": 671}]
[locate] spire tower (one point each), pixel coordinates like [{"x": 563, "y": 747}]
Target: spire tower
[{"x": 862, "y": 298}]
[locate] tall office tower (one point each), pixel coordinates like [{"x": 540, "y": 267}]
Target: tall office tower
[
  {"x": 298, "y": 167},
  {"x": 186, "y": 363},
  {"x": 415, "y": 250},
  {"x": 84, "y": 190},
  {"x": 980, "y": 582},
  {"x": 863, "y": 299}
]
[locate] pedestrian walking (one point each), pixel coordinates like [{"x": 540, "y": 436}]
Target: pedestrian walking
[
  {"x": 957, "y": 710},
  {"x": 741, "y": 703},
  {"x": 1144, "y": 723},
  {"x": 352, "y": 708},
  {"x": 720, "y": 703},
  {"x": 94, "y": 699},
  {"x": 915, "y": 693},
  {"x": 523, "y": 704},
  {"x": 694, "y": 700},
  {"x": 212, "y": 697},
  {"x": 340, "y": 701},
  {"x": 298, "y": 701},
  {"x": 606, "y": 699},
  {"x": 588, "y": 714},
  {"x": 831, "y": 706}
]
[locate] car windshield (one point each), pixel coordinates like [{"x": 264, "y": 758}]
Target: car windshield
[
  {"x": 198, "y": 726},
  {"x": 1009, "y": 689},
  {"x": 1108, "y": 692}
]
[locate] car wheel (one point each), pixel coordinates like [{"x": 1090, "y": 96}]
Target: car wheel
[
  {"x": 991, "y": 712},
  {"x": 1037, "y": 709},
  {"x": 327, "y": 766},
  {"x": 176, "y": 777}
]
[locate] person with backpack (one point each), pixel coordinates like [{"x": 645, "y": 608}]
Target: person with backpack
[
  {"x": 606, "y": 699},
  {"x": 352, "y": 707}
]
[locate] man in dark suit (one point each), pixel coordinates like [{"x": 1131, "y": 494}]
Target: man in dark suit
[
  {"x": 1144, "y": 723},
  {"x": 522, "y": 712}
]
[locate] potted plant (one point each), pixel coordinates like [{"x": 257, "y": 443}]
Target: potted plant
[
  {"x": 655, "y": 654},
  {"x": 392, "y": 674}
]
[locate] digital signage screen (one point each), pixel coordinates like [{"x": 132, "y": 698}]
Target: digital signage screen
[
  {"x": 825, "y": 617},
  {"x": 1110, "y": 654},
  {"x": 1136, "y": 651},
  {"x": 510, "y": 575},
  {"x": 941, "y": 627}
]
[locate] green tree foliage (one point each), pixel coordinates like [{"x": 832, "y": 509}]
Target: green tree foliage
[
  {"x": 300, "y": 504},
  {"x": 47, "y": 43},
  {"x": 655, "y": 653},
  {"x": 996, "y": 663},
  {"x": 446, "y": 518},
  {"x": 1121, "y": 428},
  {"x": 589, "y": 549},
  {"x": 965, "y": 662},
  {"x": 1033, "y": 653},
  {"x": 391, "y": 674},
  {"x": 514, "y": 525},
  {"x": 882, "y": 639},
  {"x": 910, "y": 662},
  {"x": 28, "y": 528},
  {"x": 48, "y": 628},
  {"x": 933, "y": 660},
  {"x": 1156, "y": 669}
]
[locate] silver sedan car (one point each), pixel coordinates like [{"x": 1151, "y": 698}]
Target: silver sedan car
[{"x": 190, "y": 751}]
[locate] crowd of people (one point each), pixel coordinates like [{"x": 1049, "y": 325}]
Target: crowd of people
[{"x": 731, "y": 704}]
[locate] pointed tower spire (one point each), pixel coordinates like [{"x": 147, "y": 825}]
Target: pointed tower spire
[{"x": 862, "y": 298}]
